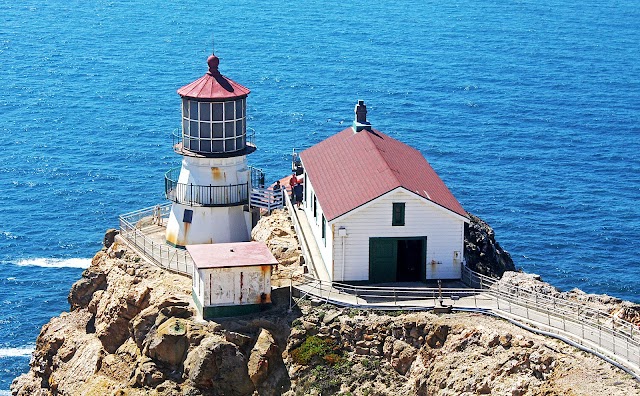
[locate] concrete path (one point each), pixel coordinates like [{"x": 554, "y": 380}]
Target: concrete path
[{"x": 310, "y": 249}]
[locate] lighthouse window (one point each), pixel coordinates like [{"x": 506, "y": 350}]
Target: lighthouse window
[
  {"x": 187, "y": 216},
  {"x": 205, "y": 130},
  {"x": 205, "y": 145},
  {"x": 217, "y": 146},
  {"x": 185, "y": 108},
  {"x": 185, "y": 127},
  {"x": 239, "y": 144},
  {"x": 194, "y": 129},
  {"x": 230, "y": 145},
  {"x": 229, "y": 111},
  {"x": 193, "y": 108},
  {"x": 229, "y": 129},
  {"x": 205, "y": 111},
  {"x": 217, "y": 111},
  {"x": 239, "y": 108},
  {"x": 217, "y": 131},
  {"x": 238, "y": 128}
]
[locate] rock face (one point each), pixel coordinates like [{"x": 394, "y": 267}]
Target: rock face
[
  {"x": 276, "y": 231},
  {"x": 374, "y": 353},
  {"x": 131, "y": 330},
  {"x": 482, "y": 252}
]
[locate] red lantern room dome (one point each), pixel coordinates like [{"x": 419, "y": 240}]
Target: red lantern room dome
[{"x": 213, "y": 85}]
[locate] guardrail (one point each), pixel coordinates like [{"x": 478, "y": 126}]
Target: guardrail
[
  {"x": 161, "y": 254},
  {"x": 380, "y": 297},
  {"x": 266, "y": 198},
  {"x": 593, "y": 330},
  {"x": 199, "y": 195}
]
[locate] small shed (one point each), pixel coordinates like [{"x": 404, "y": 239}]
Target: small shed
[
  {"x": 378, "y": 211},
  {"x": 231, "y": 278}
]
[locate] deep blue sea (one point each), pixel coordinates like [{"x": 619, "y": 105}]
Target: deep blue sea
[{"x": 529, "y": 111}]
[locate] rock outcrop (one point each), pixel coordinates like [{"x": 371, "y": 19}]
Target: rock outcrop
[
  {"x": 277, "y": 232},
  {"x": 482, "y": 252},
  {"x": 132, "y": 330},
  {"x": 611, "y": 306}
]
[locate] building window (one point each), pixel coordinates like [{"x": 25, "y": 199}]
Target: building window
[
  {"x": 315, "y": 207},
  {"x": 187, "y": 216},
  {"x": 398, "y": 214},
  {"x": 324, "y": 230}
]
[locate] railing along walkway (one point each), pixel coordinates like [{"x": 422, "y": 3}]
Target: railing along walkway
[
  {"x": 615, "y": 340},
  {"x": 143, "y": 230}
]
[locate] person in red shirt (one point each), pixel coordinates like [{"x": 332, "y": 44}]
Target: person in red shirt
[
  {"x": 293, "y": 181},
  {"x": 296, "y": 190}
]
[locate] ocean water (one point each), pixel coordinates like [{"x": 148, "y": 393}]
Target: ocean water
[{"x": 528, "y": 110}]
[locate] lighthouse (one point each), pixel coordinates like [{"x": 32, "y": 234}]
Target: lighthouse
[{"x": 210, "y": 191}]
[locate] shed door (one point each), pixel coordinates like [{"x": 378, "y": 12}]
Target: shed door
[{"x": 383, "y": 256}]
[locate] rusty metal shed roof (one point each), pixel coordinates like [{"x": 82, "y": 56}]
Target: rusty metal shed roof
[
  {"x": 352, "y": 168},
  {"x": 234, "y": 254},
  {"x": 213, "y": 85}
]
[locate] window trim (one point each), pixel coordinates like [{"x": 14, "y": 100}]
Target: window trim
[{"x": 398, "y": 220}]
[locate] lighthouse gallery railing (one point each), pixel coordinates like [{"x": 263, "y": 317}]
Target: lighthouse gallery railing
[{"x": 199, "y": 195}]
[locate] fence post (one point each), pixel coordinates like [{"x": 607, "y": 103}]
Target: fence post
[{"x": 613, "y": 339}]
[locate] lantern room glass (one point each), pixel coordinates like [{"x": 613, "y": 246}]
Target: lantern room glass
[{"x": 214, "y": 127}]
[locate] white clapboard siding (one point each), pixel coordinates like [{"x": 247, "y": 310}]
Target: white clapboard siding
[
  {"x": 325, "y": 246},
  {"x": 444, "y": 231}
]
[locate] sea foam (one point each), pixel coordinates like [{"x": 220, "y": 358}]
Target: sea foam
[
  {"x": 55, "y": 263},
  {"x": 16, "y": 352}
]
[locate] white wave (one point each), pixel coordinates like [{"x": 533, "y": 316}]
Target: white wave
[
  {"x": 5, "y": 393},
  {"x": 55, "y": 263},
  {"x": 8, "y": 235},
  {"x": 16, "y": 352}
]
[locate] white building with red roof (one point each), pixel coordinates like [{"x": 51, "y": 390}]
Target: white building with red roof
[{"x": 378, "y": 211}]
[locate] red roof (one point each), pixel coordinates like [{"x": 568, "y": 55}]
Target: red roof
[
  {"x": 235, "y": 254},
  {"x": 213, "y": 85},
  {"x": 350, "y": 169}
]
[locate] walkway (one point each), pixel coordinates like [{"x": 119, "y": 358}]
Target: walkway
[
  {"x": 144, "y": 232},
  {"x": 308, "y": 244}
]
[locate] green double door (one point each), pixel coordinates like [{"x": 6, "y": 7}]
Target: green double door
[{"x": 397, "y": 259}]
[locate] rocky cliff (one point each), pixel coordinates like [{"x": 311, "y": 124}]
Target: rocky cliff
[
  {"x": 482, "y": 252},
  {"x": 132, "y": 330}
]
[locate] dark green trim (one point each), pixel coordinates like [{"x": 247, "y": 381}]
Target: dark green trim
[
  {"x": 385, "y": 271},
  {"x": 397, "y": 218},
  {"x": 195, "y": 300},
  {"x": 231, "y": 310},
  {"x": 176, "y": 246},
  {"x": 212, "y": 312}
]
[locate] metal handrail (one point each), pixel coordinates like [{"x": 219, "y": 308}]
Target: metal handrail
[
  {"x": 160, "y": 254},
  {"x": 200, "y": 195},
  {"x": 615, "y": 338}
]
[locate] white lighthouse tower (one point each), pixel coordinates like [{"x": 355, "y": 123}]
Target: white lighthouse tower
[{"x": 210, "y": 192}]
